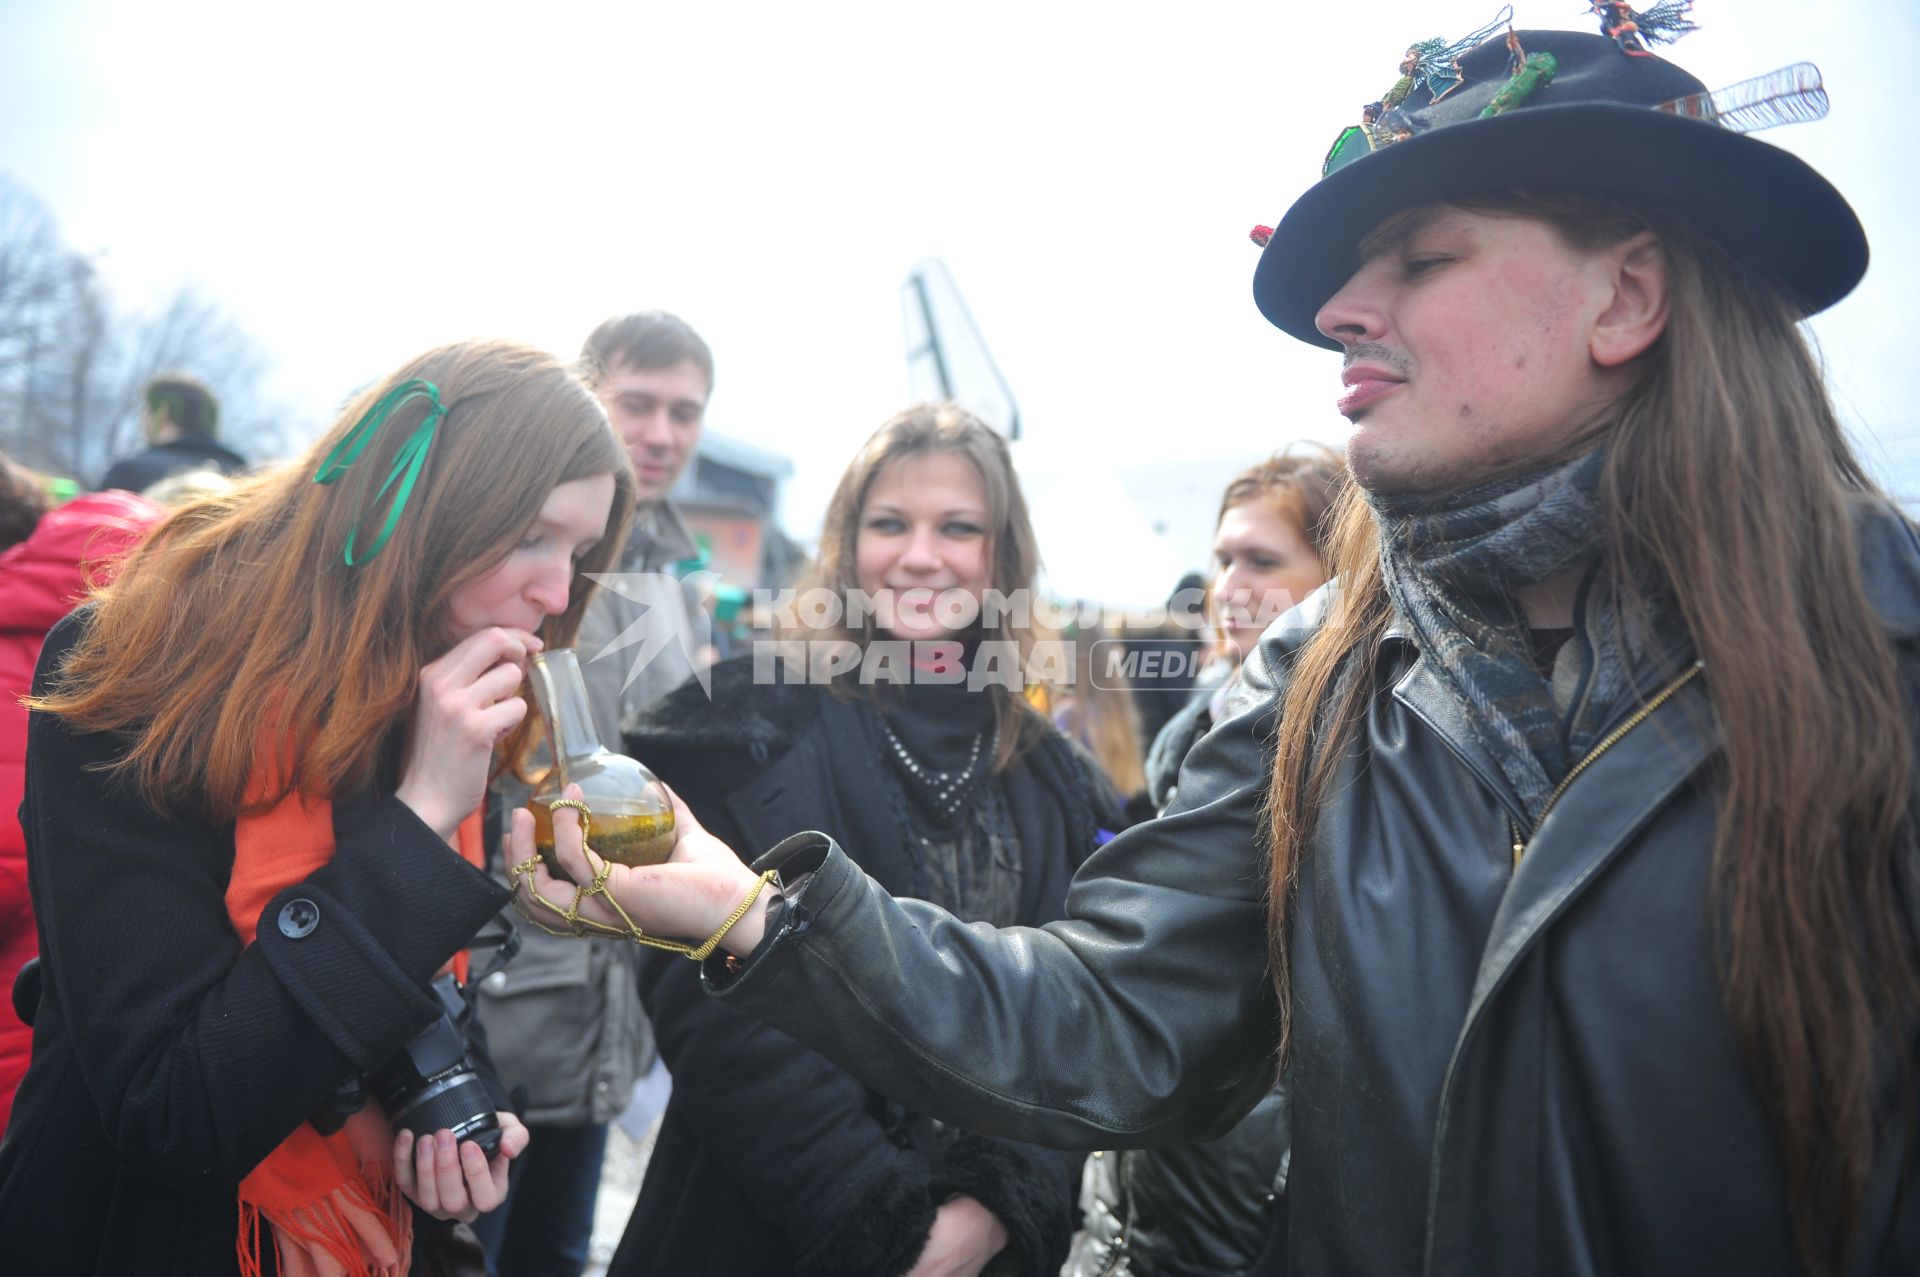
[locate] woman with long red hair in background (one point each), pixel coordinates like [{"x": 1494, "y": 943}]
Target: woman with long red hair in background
[{"x": 1269, "y": 552}]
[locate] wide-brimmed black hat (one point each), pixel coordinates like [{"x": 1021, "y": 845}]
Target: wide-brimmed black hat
[{"x": 1589, "y": 129}]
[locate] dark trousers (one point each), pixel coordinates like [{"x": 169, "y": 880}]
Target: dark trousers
[{"x": 544, "y": 1226}]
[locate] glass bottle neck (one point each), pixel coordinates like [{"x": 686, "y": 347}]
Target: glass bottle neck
[{"x": 562, "y": 694}]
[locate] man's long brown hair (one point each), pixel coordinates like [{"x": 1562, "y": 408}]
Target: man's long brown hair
[
  {"x": 1012, "y": 549},
  {"x": 237, "y": 627},
  {"x": 1732, "y": 491}
]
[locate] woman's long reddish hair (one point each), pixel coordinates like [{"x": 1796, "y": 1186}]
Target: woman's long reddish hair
[
  {"x": 1742, "y": 492},
  {"x": 237, "y": 627}
]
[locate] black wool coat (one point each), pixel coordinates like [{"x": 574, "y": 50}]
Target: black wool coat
[
  {"x": 771, "y": 1160},
  {"x": 168, "y": 1058}
]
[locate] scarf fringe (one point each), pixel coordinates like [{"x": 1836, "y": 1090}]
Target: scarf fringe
[{"x": 325, "y": 1227}]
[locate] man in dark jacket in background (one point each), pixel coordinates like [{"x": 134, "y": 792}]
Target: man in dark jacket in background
[
  {"x": 179, "y": 416},
  {"x": 564, "y": 1020}
]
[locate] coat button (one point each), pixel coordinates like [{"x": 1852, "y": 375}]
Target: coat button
[{"x": 298, "y": 918}]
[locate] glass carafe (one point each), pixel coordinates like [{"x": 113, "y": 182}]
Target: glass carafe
[{"x": 631, "y": 818}]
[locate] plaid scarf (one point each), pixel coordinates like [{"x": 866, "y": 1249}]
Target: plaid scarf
[{"x": 1451, "y": 564}]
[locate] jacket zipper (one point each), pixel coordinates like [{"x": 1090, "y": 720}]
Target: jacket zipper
[
  {"x": 1607, "y": 742},
  {"x": 1117, "y": 1255}
]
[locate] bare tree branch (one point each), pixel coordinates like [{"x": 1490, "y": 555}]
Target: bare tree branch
[{"x": 72, "y": 366}]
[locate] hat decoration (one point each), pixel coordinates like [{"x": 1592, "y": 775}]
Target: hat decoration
[
  {"x": 1525, "y": 73},
  {"x": 1433, "y": 65},
  {"x": 1633, "y": 30},
  {"x": 1791, "y": 95}
]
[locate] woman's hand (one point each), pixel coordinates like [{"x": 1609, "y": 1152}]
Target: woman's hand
[
  {"x": 468, "y": 700},
  {"x": 964, "y": 1239},
  {"x": 686, "y": 898},
  {"x": 456, "y": 1183}
]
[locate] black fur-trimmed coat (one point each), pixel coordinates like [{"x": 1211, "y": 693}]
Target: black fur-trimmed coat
[{"x": 770, "y": 1160}]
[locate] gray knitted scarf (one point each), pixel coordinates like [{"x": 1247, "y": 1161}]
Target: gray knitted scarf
[{"x": 1451, "y": 564}]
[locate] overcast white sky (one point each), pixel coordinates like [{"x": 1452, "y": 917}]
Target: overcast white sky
[{"x": 358, "y": 181}]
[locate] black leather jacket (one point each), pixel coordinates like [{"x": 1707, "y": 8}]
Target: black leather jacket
[
  {"x": 1497, "y": 1068},
  {"x": 1186, "y": 1210},
  {"x": 1191, "y": 1210}
]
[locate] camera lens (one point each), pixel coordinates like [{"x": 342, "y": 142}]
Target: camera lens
[
  {"x": 455, "y": 1101},
  {"x": 429, "y": 1086}
]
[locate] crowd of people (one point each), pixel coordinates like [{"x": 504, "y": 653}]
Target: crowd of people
[{"x": 1523, "y": 886}]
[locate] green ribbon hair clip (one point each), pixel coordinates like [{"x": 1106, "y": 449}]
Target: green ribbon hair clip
[{"x": 406, "y": 466}]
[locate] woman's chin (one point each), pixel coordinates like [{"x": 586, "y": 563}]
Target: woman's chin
[{"x": 918, "y": 634}]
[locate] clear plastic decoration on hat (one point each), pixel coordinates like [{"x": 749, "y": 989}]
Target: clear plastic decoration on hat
[{"x": 1791, "y": 95}]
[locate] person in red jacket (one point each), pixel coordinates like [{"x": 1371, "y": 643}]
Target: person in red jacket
[{"x": 42, "y": 577}]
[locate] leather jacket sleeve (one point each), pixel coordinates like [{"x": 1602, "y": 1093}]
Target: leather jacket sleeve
[{"x": 1146, "y": 1016}]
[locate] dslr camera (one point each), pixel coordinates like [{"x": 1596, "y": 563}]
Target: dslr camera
[{"x": 430, "y": 1086}]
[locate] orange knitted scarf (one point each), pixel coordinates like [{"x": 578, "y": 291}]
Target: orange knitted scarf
[{"x": 329, "y": 1201}]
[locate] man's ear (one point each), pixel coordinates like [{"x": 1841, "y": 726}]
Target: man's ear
[{"x": 1636, "y": 314}]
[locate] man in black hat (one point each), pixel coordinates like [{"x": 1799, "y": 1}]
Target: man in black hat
[{"x": 1563, "y": 850}]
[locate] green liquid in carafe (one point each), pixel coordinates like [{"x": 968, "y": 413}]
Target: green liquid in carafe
[{"x": 622, "y": 838}]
